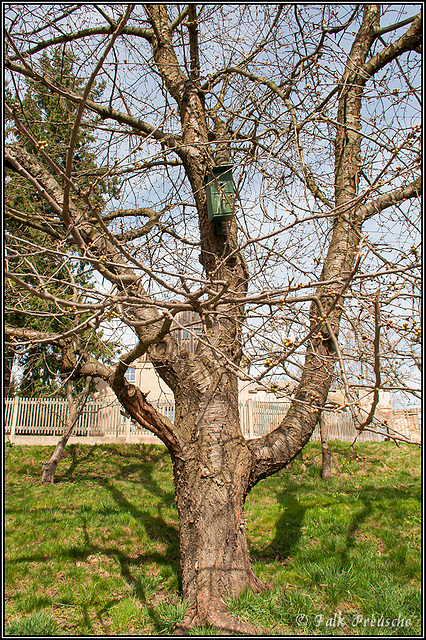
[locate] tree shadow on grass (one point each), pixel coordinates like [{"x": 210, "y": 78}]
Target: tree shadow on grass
[
  {"x": 146, "y": 459},
  {"x": 76, "y": 460},
  {"x": 288, "y": 528},
  {"x": 371, "y": 499},
  {"x": 156, "y": 527}
]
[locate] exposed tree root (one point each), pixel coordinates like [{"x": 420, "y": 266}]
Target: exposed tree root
[{"x": 218, "y": 617}]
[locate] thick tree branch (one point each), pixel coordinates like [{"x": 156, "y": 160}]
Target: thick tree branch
[
  {"x": 23, "y": 218},
  {"x": 164, "y": 52},
  {"x": 30, "y": 335},
  {"x": 30, "y": 167},
  {"x": 409, "y": 41},
  {"x": 379, "y": 31},
  {"x": 193, "y": 43},
  {"x": 179, "y": 19},
  {"x": 147, "y": 34},
  {"x": 273, "y": 451},
  {"x": 386, "y": 200},
  {"x": 101, "y": 247},
  {"x": 145, "y": 415}
]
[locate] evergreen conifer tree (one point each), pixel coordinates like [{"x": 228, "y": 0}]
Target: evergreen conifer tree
[{"x": 48, "y": 120}]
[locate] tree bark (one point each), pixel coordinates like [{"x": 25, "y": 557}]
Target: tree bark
[
  {"x": 211, "y": 481},
  {"x": 212, "y": 463},
  {"x": 49, "y": 467},
  {"x": 8, "y": 364},
  {"x": 215, "y": 562}
]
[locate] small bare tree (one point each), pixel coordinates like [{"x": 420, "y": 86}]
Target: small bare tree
[{"x": 75, "y": 409}]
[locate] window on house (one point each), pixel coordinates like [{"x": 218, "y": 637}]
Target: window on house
[
  {"x": 185, "y": 334},
  {"x": 130, "y": 374}
]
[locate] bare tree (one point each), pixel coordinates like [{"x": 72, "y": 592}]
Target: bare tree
[
  {"x": 75, "y": 409},
  {"x": 316, "y": 108}
]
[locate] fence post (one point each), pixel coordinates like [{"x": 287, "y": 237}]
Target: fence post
[{"x": 14, "y": 419}]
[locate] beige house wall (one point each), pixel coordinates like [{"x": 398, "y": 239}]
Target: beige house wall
[{"x": 146, "y": 379}]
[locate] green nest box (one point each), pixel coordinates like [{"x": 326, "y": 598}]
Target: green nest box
[{"x": 220, "y": 195}]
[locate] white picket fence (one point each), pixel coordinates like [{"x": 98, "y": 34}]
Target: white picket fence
[
  {"x": 259, "y": 418},
  {"x": 41, "y": 420}
]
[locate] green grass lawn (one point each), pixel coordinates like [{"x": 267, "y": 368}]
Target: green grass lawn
[{"x": 98, "y": 552}]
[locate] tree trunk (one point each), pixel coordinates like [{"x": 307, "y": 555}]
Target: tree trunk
[
  {"x": 325, "y": 451},
  {"x": 212, "y": 465},
  {"x": 211, "y": 486},
  {"x": 8, "y": 364},
  {"x": 75, "y": 410},
  {"x": 49, "y": 467}
]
